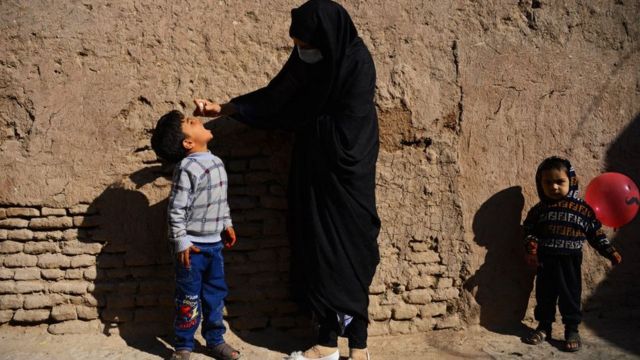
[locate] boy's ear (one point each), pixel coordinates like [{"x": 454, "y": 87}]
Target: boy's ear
[{"x": 187, "y": 144}]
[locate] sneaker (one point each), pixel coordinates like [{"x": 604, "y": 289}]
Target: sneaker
[
  {"x": 299, "y": 355},
  {"x": 181, "y": 355}
]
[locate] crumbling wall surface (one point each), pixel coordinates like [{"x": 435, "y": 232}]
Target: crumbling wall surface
[
  {"x": 470, "y": 95},
  {"x": 540, "y": 79}
]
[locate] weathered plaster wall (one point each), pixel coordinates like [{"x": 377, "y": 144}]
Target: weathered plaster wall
[{"x": 471, "y": 96}]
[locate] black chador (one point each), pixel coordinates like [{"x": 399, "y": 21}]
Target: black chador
[{"x": 329, "y": 107}]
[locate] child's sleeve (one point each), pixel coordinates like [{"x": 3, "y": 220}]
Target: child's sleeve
[
  {"x": 226, "y": 215},
  {"x": 179, "y": 201},
  {"x": 529, "y": 228},
  {"x": 598, "y": 239}
]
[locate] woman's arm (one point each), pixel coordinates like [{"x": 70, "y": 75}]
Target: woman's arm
[{"x": 278, "y": 105}]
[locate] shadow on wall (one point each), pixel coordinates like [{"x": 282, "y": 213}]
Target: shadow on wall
[
  {"x": 134, "y": 283},
  {"x": 503, "y": 284},
  {"x": 134, "y": 287},
  {"x": 614, "y": 306}
]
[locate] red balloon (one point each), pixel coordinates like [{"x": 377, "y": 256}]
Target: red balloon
[{"x": 614, "y": 198}]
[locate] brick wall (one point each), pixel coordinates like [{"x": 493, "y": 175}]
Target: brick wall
[
  {"x": 47, "y": 272},
  {"x": 106, "y": 266}
]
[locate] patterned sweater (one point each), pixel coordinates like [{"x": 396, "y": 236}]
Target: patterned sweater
[
  {"x": 198, "y": 201},
  {"x": 562, "y": 226}
]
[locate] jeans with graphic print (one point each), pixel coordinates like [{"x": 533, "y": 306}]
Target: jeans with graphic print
[{"x": 200, "y": 293}]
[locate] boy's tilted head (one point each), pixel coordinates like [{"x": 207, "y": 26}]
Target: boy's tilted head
[
  {"x": 554, "y": 178},
  {"x": 167, "y": 137},
  {"x": 177, "y": 136}
]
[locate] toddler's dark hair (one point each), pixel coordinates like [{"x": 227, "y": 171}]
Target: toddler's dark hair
[
  {"x": 167, "y": 137},
  {"x": 554, "y": 163}
]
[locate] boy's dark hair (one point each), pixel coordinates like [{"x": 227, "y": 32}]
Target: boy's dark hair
[
  {"x": 167, "y": 137},
  {"x": 554, "y": 163}
]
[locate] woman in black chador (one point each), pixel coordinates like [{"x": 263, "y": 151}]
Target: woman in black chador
[{"x": 324, "y": 95}]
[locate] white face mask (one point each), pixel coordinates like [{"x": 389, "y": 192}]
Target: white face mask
[{"x": 310, "y": 56}]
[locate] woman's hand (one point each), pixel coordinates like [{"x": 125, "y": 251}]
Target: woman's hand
[{"x": 206, "y": 108}]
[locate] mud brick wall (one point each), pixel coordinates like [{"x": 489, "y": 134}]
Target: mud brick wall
[
  {"x": 106, "y": 265},
  {"x": 471, "y": 96},
  {"x": 48, "y": 272}
]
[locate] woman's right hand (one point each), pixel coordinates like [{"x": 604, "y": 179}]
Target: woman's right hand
[{"x": 206, "y": 108}]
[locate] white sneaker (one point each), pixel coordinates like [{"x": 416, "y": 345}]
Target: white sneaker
[{"x": 298, "y": 355}]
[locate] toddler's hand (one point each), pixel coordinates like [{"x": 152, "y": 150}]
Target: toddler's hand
[
  {"x": 184, "y": 256},
  {"x": 532, "y": 247},
  {"x": 531, "y": 260},
  {"x": 206, "y": 108},
  {"x": 616, "y": 258},
  {"x": 229, "y": 237}
]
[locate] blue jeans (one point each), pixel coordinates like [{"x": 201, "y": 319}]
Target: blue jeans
[{"x": 200, "y": 293}]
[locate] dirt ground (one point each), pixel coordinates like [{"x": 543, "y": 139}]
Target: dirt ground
[{"x": 601, "y": 340}]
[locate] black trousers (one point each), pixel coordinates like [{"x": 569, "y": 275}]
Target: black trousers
[
  {"x": 329, "y": 331},
  {"x": 559, "y": 281}
]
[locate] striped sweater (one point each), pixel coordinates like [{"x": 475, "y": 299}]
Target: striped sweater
[
  {"x": 562, "y": 226},
  {"x": 198, "y": 201}
]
